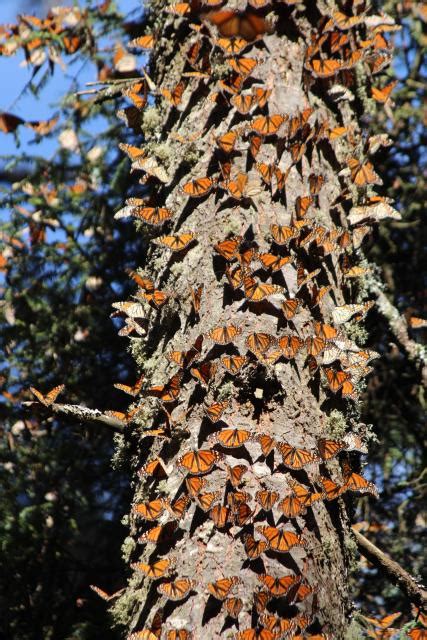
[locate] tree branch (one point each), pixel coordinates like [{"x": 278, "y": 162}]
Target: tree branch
[
  {"x": 82, "y": 414},
  {"x": 398, "y": 326},
  {"x": 415, "y": 592}
]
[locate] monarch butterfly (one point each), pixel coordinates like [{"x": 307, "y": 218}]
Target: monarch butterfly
[
  {"x": 131, "y": 309},
  {"x": 383, "y": 95},
  {"x": 154, "y": 468},
  {"x": 280, "y": 540},
  {"x": 232, "y": 86},
  {"x": 243, "y": 66},
  {"x": 177, "y": 590},
  {"x": 204, "y": 372},
  {"x": 131, "y": 390},
  {"x": 241, "y": 187},
  {"x": 154, "y": 570},
  {"x": 355, "y": 482},
  {"x": 159, "y": 534},
  {"x": 231, "y": 438},
  {"x": 385, "y": 622},
  {"x": 224, "y": 334},
  {"x": 281, "y": 626},
  {"x": 292, "y": 506},
  {"x": 221, "y": 588},
  {"x": 296, "y": 123},
  {"x": 149, "y": 510},
  {"x": 143, "y": 283},
  {"x": 143, "y": 42},
  {"x": 303, "y": 278},
  {"x": 206, "y": 500},
  {"x": 256, "y": 291},
  {"x": 177, "y": 242},
  {"x": 417, "y": 323},
  {"x": 417, "y": 634},
  {"x": 324, "y": 68},
  {"x": 302, "y": 205},
  {"x": 144, "y": 634},
  {"x": 232, "y": 46},
  {"x": 260, "y": 342},
  {"x": 174, "y": 97},
  {"x": 235, "y": 474},
  {"x": 179, "y": 8},
  {"x": 303, "y": 494},
  {"x": 329, "y": 448},
  {"x": 132, "y": 116},
  {"x": 266, "y": 171},
  {"x": 255, "y": 143},
  {"x": 234, "y": 498},
  {"x": 243, "y": 103},
  {"x": 184, "y": 358},
  {"x": 178, "y": 507},
  {"x": 229, "y": 248},
  {"x": 233, "y": 606},
  {"x": 273, "y": 262},
  {"x": 267, "y": 443},
  {"x": 241, "y": 514},
  {"x": 194, "y": 485},
  {"x": 156, "y": 298},
  {"x": 295, "y": 458},
  {"x": 247, "y": 25},
  {"x": 255, "y": 634},
  {"x": 103, "y": 594},
  {"x": 179, "y": 634},
  {"x": 168, "y": 392},
  {"x": 220, "y": 515},
  {"x": 362, "y": 173},
  {"x": 290, "y": 307},
  {"x": 124, "y": 417},
  {"x": 247, "y": 256},
  {"x": 331, "y": 489},
  {"x": 214, "y": 411},
  {"x": 278, "y": 586},
  {"x": 316, "y": 183},
  {"x": 233, "y": 364},
  {"x": 199, "y": 462},
  {"x": 227, "y": 141},
  {"x": 283, "y": 234},
  {"x": 152, "y": 215},
  {"x": 290, "y": 345},
  {"x": 268, "y": 125},
  {"x": 199, "y": 187},
  {"x": 234, "y": 276},
  {"x": 315, "y": 345},
  {"x": 260, "y": 600},
  {"x": 267, "y": 499},
  {"x": 254, "y": 548},
  {"x": 325, "y": 331},
  {"x": 336, "y": 379},
  {"x": 50, "y": 397},
  {"x": 343, "y": 314},
  {"x": 304, "y": 590},
  {"x": 259, "y": 4},
  {"x": 196, "y": 297}
]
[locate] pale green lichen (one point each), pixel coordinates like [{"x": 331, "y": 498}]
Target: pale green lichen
[
  {"x": 355, "y": 631},
  {"x": 128, "y": 548},
  {"x": 151, "y": 120},
  {"x": 352, "y": 553},
  {"x": 120, "y": 455},
  {"x": 336, "y": 424},
  {"x": 357, "y": 332}
]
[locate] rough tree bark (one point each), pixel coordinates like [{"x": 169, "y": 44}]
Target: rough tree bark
[{"x": 288, "y": 398}]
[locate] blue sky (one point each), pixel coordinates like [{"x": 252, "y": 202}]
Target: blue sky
[{"x": 15, "y": 77}]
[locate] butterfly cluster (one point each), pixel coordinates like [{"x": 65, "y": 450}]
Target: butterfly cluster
[{"x": 254, "y": 489}]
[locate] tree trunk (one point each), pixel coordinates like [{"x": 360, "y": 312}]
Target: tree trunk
[{"x": 288, "y": 398}]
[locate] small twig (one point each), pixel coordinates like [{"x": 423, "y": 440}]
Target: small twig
[
  {"x": 415, "y": 592},
  {"x": 82, "y": 414}
]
